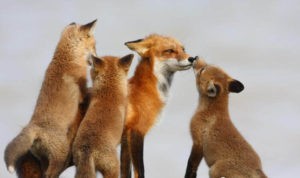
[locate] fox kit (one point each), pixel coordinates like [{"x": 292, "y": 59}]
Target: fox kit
[
  {"x": 215, "y": 138},
  {"x": 161, "y": 57},
  {"x": 101, "y": 130},
  {"x": 56, "y": 117}
]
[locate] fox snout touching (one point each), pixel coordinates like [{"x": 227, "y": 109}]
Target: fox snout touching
[
  {"x": 215, "y": 138},
  {"x": 212, "y": 80},
  {"x": 168, "y": 52},
  {"x": 161, "y": 58}
]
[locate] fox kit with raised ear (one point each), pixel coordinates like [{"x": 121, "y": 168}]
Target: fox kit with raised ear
[
  {"x": 56, "y": 117},
  {"x": 161, "y": 57},
  {"x": 101, "y": 130},
  {"x": 215, "y": 138}
]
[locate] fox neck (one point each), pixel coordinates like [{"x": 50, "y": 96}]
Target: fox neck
[
  {"x": 68, "y": 51},
  {"x": 164, "y": 79},
  {"x": 214, "y": 106},
  {"x": 110, "y": 90},
  {"x": 150, "y": 72}
]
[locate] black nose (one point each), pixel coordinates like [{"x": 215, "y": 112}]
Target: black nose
[{"x": 191, "y": 59}]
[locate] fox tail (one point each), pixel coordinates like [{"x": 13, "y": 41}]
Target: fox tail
[{"x": 19, "y": 146}]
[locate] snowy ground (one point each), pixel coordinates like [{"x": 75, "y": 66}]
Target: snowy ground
[{"x": 257, "y": 42}]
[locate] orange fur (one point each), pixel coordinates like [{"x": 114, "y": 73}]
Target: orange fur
[
  {"x": 161, "y": 57},
  {"x": 145, "y": 103}
]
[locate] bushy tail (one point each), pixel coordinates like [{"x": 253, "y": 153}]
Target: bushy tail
[
  {"x": 17, "y": 148},
  {"x": 85, "y": 167}
]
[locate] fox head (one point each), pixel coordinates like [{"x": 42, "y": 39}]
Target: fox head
[
  {"x": 109, "y": 70},
  {"x": 212, "y": 81},
  {"x": 165, "y": 52},
  {"x": 79, "y": 39}
]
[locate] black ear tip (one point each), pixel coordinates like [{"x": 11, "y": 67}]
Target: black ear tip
[
  {"x": 242, "y": 87},
  {"x": 236, "y": 86},
  {"x": 94, "y": 21},
  {"x": 128, "y": 57},
  {"x": 135, "y": 41}
]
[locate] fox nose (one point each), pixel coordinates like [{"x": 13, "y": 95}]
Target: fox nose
[{"x": 191, "y": 59}]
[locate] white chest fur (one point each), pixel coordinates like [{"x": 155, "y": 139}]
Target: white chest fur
[{"x": 164, "y": 79}]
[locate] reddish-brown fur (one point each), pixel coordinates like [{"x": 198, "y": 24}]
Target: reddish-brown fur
[
  {"x": 100, "y": 132},
  {"x": 56, "y": 117},
  {"x": 28, "y": 166},
  {"x": 161, "y": 57},
  {"x": 214, "y": 136}
]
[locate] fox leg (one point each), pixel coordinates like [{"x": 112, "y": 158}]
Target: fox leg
[
  {"x": 194, "y": 161},
  {"x": 57, "y": 160},
  {"x": 106, "y": 161},
  {"x": 55, "y": 167},
  {"x": 111, "y": 169},
  {"x": 137, "y": 148},
  {"x": 125, "y": 155},
  {"x": 85, "y": 167},
  {"x": 225, "y": 168}
]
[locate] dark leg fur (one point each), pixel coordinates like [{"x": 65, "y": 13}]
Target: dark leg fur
[
  {"x": 193, "y": 163},
  {"x": 137, "y": 148},
  {"x": 125, "y": 156}
]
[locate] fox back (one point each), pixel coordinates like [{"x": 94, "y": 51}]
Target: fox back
[{"x": 101, "y": 129}]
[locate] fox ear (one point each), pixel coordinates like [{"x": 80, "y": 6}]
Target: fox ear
[
  {"x": 89, "y": 28},
  {"x": 97, "y": 61},
  {"x": 138, "y": 45},
  {"x": 125, "y": 61},
  {"x": 235, "y": 86}
]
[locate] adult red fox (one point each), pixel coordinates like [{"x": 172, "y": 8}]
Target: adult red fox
[{"x": 161, "y": 57}]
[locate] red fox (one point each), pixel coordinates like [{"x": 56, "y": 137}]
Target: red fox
[
  {"x": 161, "y": 57},
  {"x": 214, "y": 136},
  {"x": 101, "y": 130},
  {"x": 56, "y": 117}
]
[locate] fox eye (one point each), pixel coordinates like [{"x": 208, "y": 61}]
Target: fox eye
[{"x": 169, "y": 51}]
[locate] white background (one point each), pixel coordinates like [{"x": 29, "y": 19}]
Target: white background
[{"x": 257, "y": 42}]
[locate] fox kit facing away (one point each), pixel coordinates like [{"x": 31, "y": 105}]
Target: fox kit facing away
[
  {"x": 101, "y": 130},
  {"x": 161, "y": 57},
  {"x": 215, "y": 138},
  {"x": 56, "y": 117}
]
